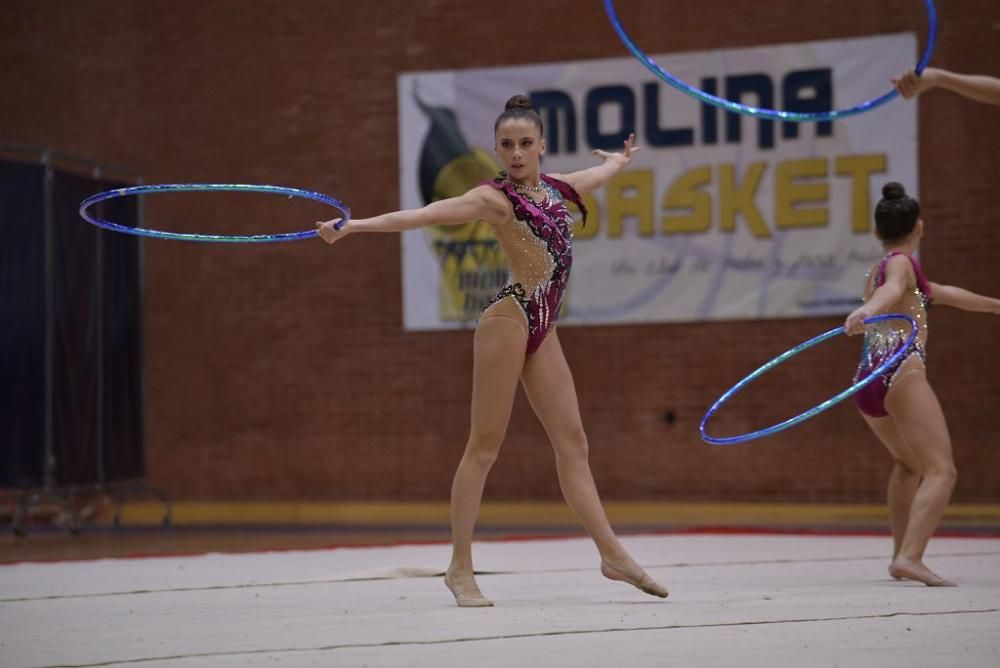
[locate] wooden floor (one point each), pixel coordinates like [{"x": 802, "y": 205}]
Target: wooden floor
[
  {"x": 101, "y": 543},
  {"x": 198, "y": 528}
]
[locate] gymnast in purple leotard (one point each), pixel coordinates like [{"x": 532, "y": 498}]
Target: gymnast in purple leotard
[
  {"x": 516, "y": 339},
  {"x": 901, "y": 407},
  {"x": 883, "y": 339},
  {"x": 538, "y": 244}
]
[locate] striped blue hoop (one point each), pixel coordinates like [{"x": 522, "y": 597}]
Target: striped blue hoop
[
  {"x": 210, "y": 187},
  {"x": 759, "y": 112},
  {"x": 760, "y": 433}
]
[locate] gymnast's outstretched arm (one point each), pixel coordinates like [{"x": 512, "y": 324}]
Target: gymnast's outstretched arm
[
  {"x": 592, "y": 178},
  {"x": 481, "y": 203},
  {"x": 960, "y": 298},
  {"x": 979, "y": 87}
]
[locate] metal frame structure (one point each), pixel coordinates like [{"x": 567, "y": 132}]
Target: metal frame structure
[{"x": 101, "y": 491}]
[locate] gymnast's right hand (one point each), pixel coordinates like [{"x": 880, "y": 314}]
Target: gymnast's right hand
[
  {"x": 910, "y": 84},
  {"x": 855, "y": 323},
  {"x": 330, "y": 234}
]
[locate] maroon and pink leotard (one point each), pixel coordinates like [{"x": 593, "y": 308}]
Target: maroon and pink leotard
[
  {"x": 884, "y": 338},
  {"x": 539, "y": 249}
]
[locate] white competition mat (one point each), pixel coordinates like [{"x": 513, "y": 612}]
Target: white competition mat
[{"x": 740, "y": 600}]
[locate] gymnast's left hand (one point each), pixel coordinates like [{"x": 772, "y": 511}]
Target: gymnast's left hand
[
  {"x": 331, "y": 235},
  {"x": 855, "y": 323},
  {"x": 622, "y": 158}
]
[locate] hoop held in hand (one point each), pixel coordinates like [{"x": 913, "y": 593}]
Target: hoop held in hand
[
  {"x": 788, "y": 354},
  {"x": 210, "y": 187}
]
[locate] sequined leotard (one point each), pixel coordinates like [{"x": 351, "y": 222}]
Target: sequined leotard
[
  {"x": 538, "y": 246},
  {"x": 884, "y": 338}
]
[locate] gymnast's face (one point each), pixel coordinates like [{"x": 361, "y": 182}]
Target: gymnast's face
[{"x": 519, "y": 146}]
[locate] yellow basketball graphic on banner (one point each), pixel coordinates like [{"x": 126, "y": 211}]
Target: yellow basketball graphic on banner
[{"x": 473, "y": 268}]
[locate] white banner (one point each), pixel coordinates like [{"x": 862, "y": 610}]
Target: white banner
[{"x": 719, "y": 216}]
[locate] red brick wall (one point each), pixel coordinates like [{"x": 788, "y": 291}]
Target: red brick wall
[{"x": 282, "y": 371}]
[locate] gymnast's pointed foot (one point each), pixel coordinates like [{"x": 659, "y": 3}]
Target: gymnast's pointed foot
[
  {"x": 904, "y": 568},
  {"x": 631, "y": 573},
  {"x": 465, "y": 590}
]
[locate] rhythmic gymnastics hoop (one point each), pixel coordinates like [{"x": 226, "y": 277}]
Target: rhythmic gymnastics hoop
[
  {"x": 760, "y": 112},
  {"x": 211, "y": 187},
  {"x": 760, "y": 433}
]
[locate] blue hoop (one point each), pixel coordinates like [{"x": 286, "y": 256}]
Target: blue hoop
[
  {"x": 887, "y": 364},
  {"x": 211, "y": 187},
  {"x": 759, "y": 112}
]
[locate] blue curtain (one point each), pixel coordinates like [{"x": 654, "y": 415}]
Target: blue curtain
[
  {"x": 92, "y": 288},
  {"x": 22, "y": 324},
  {"x": 123, "y": 435}
]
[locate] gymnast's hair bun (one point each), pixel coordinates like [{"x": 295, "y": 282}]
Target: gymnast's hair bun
[
  {"x": 892, "y": 190},
  {"x": 518, "y": 102}
]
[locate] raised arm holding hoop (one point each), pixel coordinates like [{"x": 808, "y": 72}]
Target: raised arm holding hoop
[{"x": 978, "y": 87}]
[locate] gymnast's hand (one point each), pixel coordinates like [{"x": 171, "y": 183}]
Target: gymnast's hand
[
  {"x": 329, "y": 233},
  {"x": 855, "y": 323},
  {"x": 910, "y": 84},
  {"x": 622, "y": 158}
]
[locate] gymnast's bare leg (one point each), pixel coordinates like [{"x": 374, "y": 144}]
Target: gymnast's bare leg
[
  {"x": 499, "y": 345},
  {"x": 549, "y": 385},
  {"x": 903, "y": 480},
  {"x": 915, "y": 409}
]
